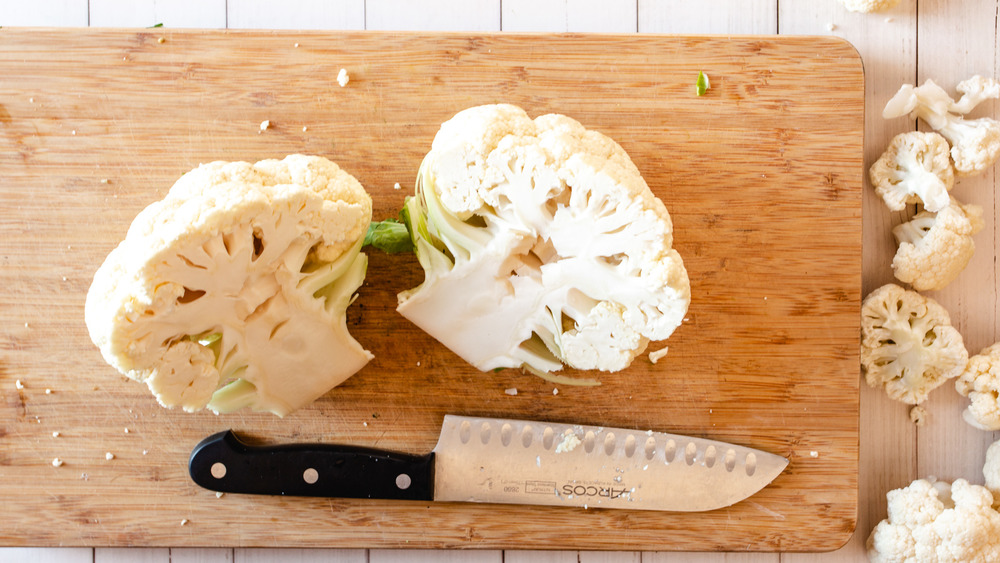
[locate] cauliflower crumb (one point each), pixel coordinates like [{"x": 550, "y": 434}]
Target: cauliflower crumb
[
  {"x": 57, "y": 462},
  {"x": 343, "y": 78},
  {"x": 105, "y": 181},
  {"x": 264, "y": 125},
  {"x": 184, "y": 522},
  {"x": 219, "y": 494},
  {"x": 126, "y": 430},
  {"x": 296, "y": 45},
  {"x": 657, "y": 355},
  {"x": 569, "y": 442},
  {"x": 396, "y": 186},
  {"x": 48, "y": 391},
  {"x": 109, "y": 456},
  {"x": 814, "y": 453},
  {"x": 18, "y": 384},
  {"x": 55, "y": 434},
  {"x": 161, "y": 40},
  {"x": 918, "y": 415},
  {"x": 831, "y": 26},
  {"x": 512, "y": 391},
  {"x": 365, "y": 424},
  {"x": 555, "y": 391},
  {"x": 305, "y": 128}
]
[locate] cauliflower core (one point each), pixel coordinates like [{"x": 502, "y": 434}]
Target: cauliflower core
[
  {"x": 980, "y": 382},
  {"x": 939, "y": 522},
  {"x": 934, "y": 248},
  {"x": 541, "y": 244},
  {"x": 908, "y": 345},
  {"x": 232, "y": 291}
]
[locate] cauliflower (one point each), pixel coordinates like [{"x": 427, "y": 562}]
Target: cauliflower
[
  {"x": 232, "y": 291},
  {"x": 908, "y": 344},
  {"x": 541, "y": 243},
  {"x": 975, "y": 143},
  {"x": 935, "y": 522},
  {"x": 869, "y": 6},
  {"x": 980, "y": 382},
  {"x": 914, "y": 169},
  {"x": 934, "y": 248},
  {"x": 991, "y": 470}
]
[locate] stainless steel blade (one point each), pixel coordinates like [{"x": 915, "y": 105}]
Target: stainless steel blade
[{"x": 524, "y": 462}]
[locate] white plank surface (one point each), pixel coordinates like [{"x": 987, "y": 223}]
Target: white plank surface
[
  {"x": 171, "y": 13},
  {"x": 953, "y": 39}
]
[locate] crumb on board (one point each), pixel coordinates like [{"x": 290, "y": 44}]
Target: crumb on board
[
  {"x": 184, "y": 522},
  {"x": 105, "y": 181},
  {"x": 831, "y": 26},
  {"x": 555, "y": 391},
  {"x": 18, "y": 384},
  {"x": 264, "y": 125},
  {"x": 343, "y": 78},
  {"x": 657, "y": 355},
  {"x": 48, "y": 391},
  {"x": 57, "y": 462},
  {"x": 56, "y": 434},
  {"x": 814, "y": 453},
  {"x": 305, "y": 128},
  {"x": 161, "y": 40},
  {"x": 396, "y": 186},
  {"x": 219, "y": 494},
  {"x": 918, "y": 415},
  {"x": 109, "y": 456},
  {"x": 511, "y": 391}
]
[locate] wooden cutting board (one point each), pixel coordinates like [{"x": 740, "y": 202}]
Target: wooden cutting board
[{"x": 762, "y": 177}]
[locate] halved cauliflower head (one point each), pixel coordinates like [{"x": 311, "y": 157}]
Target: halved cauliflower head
[
  {"x": 936, "y": 521},
  {"x": 232, "y": 290},
  {"x": 541, "y": 244},
  {"x": 908, "y": 345},
  {"x": 915, "y": 168},
  {"x": 934, "y": 248},
  {"x": 980, "y": 382}
]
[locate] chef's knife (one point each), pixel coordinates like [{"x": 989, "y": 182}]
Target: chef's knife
[{"x": 502, "y": 461}]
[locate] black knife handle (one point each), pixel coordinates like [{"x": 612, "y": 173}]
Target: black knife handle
[{"x": 224, "y": 463}]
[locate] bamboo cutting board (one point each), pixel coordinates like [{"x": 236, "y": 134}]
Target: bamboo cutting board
[{"x": 762, "y": 177}]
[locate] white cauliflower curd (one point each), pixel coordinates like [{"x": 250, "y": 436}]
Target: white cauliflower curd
[
  {"x": 937, "y": 522},
  {"x": 541, "y": 244},
  {"x": 231, "y": 292}
]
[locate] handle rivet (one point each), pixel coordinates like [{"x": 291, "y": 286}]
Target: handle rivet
[
  {"x": 403, "y": 481},
  {"x": 218, "y": 470},
  {"x": 310, "y": 476}
]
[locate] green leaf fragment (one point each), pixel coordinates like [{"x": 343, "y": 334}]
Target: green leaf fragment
[
  {"x": 702, "y": 85},
  {"x": 390, "y": 236},
  {"x": 155, "y": 25}
]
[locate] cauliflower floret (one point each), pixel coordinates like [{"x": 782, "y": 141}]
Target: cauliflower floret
[
  {"x": 232, "y": 290},
  {"x": 991, "y": 470},
  {"x": 908, "y": 344},
  {"x": 975, "y": 143},
  {"x": 915, "y": 168},
  {"x": 541, "y": 244},
  {"x": 869, "y": 6},
  {"x": 935, "y": 522},
  {"x": 980, "y": 382},
  {"x": 934, "y": 248}
]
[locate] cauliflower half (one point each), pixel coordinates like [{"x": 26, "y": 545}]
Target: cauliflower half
[
  {"x": 908, "y": 345},
  {"x": 975, "y": 143},
  {"x": 541, "y": 244},
  {"x": 934, "y": 248},
  {"x": 915, "y": 168},
  {"x": 232, "y": 290},
  {"x": 980, "y": 382},
  {"x": 935, "y": 522}
]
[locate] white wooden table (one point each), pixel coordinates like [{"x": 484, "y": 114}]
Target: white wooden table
[{"x": 947, "y": 40}]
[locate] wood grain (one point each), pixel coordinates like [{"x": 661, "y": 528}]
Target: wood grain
[{"x": 762, "y": 177}]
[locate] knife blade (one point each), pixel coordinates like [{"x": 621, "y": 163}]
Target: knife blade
[{"x": 502, "y": 461}]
